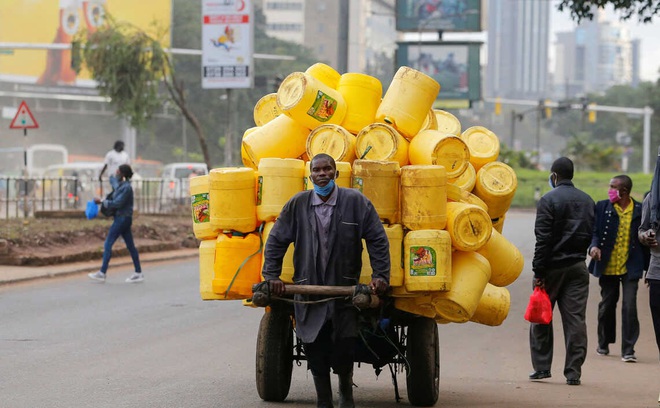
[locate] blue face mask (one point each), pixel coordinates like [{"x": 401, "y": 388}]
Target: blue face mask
[
  {"x": 550, "y": 182},
  {"x": 325, "y": 191}
]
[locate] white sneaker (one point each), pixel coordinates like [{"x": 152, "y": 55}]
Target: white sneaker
[
  {"x": 629, "y": 358},
  {"x": 97, "y": 276},
  {"x": 135, "y": 278}
]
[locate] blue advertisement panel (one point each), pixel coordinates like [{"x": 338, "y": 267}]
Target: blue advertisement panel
[
  {"x": 438, "y": 15},
  {"x": 455, "y": 65}
]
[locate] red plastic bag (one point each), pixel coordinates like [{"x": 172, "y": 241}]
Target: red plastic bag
[{"x": 539, "y": 309}]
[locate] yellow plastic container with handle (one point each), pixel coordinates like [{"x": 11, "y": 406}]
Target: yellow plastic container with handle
[
  {"x": 423, "y": 197},
  {"x": 362, "y": 94},
  {"x": 206, "y": 274},
  {"x": 394, "y": 234},
  {"x": 493, "y": 307},
  {"x": 237, "y": 265},
  {"x": 427, "y": 261},
  {"x": 201, "y": 208},
  {"x": 287, "y": 261},
  {"x": 281, "y": 138},
  {"x": 232, "y": 198},
  {"x": 496, "y": 185},
  {"x": 506, "y": 261},
  {"x": 466, "y": 180},
  {"x": 381, "y": 142},
  {"x": 468, "y": 225},
  {"x": 310, "y": 102},
  {"x": 407, "y": 101},
  {"x": 324, "y": 73},
  {"x": 266, "y": 109},
  {"x": 379, "y": 181},
  {"x": 447, "y": 123},
  {"x": 333, "y": 140},
  {"x": 484, "y": 145},
  {"x": 279, "y": 180},
  {"x": 443, "y": 149}
]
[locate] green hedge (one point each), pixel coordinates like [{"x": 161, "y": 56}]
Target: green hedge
[{"x": 593, "y": 183}]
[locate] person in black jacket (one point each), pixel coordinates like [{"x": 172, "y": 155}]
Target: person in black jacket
[
  {"x": 563, "y": 229},
  {"x": 327, "y": 226},
  {"x": 618, "y": 259}
]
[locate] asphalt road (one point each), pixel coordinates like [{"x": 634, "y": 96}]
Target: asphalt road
[{"x": 68, "y": 342}]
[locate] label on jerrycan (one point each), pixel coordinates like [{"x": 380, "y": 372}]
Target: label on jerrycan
[
  {"x": 423, "y": 261},
  {"x": 323, "y": 107}
]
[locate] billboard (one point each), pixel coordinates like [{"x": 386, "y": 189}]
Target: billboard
[
  {"x": 455, "y": 65},
  {"x": 58, "y": 22},
  {"x": 438, "y": 15},
  {"x": 227, "y": 44}
]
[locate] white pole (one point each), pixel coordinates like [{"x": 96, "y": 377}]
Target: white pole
[{"x": 646, "y": 149}]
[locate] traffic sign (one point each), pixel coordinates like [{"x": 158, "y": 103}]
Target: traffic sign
[{"x": 24, "y": 118}]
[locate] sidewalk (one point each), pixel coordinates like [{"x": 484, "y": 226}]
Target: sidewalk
[{"x": 13, "y": 274}]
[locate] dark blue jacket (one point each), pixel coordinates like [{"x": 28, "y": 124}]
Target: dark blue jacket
[{"x": 604, "y": 237}]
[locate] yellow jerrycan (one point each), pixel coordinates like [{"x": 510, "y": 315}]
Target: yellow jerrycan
[
  {"x": 458, "y": 195},
  {"x": 427, "y": 261},
  {"x": 496, "y": 185},
  {"x": 232, "y": 199},
  {"x": 506, "y": 261},
  {"x": 443, "y": 149},
  {"x": 466, "y": 180},
  {"x": 247, "y": 162},
  {"x": 332, "y": 140},
  {"x": 287, "y": 262},
  {"x": 381, "y": 142},
  {"x": 447, "y": 123},
  {"x": 379, "y": 181},
  {"x": 423, "y": 197},
  {"x": 279, "y": 180},
  {"x": 344, "y": 179},
  {"x": 419, "y": 305},
  {"x": 237, "y": 265},
  {"x": 201, "y": 208},
  {"x": 324, "y": 73},
  {"x": 431, "y": 122},
  {"x": 470, "y": 275},
  {"x": 493, "y": 306},
  {"x": 266, "y": 109},
  {"x": 281, "y": 138},
  {"x": 362, "y": 94},
  {"x": 468, "y": 225},
  {"x": 395, "y": 237},
  {"x": 498, "y": 223},
  {"x": 309, "y": 101},
  {"x": 206, "y": 274},
  {"x": 407, "y": 101},
  {"x": 484, "y": 145}
]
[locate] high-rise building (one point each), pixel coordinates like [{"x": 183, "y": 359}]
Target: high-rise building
[
  {"x": 595, "y": 56},
  {"x": 636, "y": 45},
  {"x": 518, "y": 36}
]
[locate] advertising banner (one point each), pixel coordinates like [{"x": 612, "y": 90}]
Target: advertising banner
[
  {"x": 58, "y": 22},
  {"x": 227, "y": 44},
  {"x": 438, "y": 15},
  {"x": 455, "y": 65}
]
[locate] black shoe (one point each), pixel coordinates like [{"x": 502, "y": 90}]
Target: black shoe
[
  {"x": 323, "y": 391},
  {"x": 602, "y": 351},
  {"x": 573, "y": 381},
  {"x": 539, "y": 375}
]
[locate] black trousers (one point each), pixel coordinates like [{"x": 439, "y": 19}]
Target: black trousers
[
  {"x": 654, "y": 303},
  {"x": 325, "y": 353},
  {"x": 569, "y": 288},
  {"x": 609, "y": 292}
]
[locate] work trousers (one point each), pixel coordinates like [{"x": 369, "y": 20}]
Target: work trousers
[
  {"x": 121, "y": 226},
  {"x": 654, "y": 303},
  {"x": 609, "y": 292},
  {"x": 567, "y": 287},
  {"x": 325, "y": 353}
]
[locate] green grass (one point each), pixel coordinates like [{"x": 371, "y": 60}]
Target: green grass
[{"x": 593, "y": 183}]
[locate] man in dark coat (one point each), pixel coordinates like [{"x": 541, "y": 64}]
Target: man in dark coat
[
  {"x": 563, "y": 228},
  {"x": 326, "y": 226},
  {"x": 618, "y": 260}
]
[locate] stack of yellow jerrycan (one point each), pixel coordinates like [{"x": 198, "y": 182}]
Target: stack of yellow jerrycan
[{"x": 439, "y": 191}]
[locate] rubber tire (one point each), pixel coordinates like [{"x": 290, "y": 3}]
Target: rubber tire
[
  {"x": 274, "y": 362},
  {"x": 423, "y": 355}
]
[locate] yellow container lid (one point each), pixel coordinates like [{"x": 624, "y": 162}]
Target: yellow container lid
[
  {"x": 291, "y": 91},
  {"x": 266, "y": 109},
  {"x": 333, "y": 140},
  {"x": 496, "y": 179},
  {"x": 447, "y": 122},
  {"x": 484, "y": 145},
  {"x": 381, "y": 142},
  {"x": 324, "y": 73},
  {"x": 469, "y": 226}
]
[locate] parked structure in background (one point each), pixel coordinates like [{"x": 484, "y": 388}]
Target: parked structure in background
[
  {"x": 518, "y": 34},
  {"x": 598, "y": 54}
]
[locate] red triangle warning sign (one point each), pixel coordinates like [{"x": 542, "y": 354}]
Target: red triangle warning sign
[{"x": 24, "y": 118}]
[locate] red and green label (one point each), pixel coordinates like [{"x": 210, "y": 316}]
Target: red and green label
[{"x": 423, "y": 261}]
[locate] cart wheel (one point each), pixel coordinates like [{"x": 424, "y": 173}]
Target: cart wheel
[
  {"x": 274, "y": 356},
  {"x": 423, "y": 355}
]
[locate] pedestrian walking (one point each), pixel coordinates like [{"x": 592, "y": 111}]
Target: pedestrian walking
[
  {"x": 618, "y": 260},
  {"x": 113, "y": 159},
  {"x": 327, "y": 225},
  {"x": 122, "y": 203},
  {"x": 563, "y": 229}
]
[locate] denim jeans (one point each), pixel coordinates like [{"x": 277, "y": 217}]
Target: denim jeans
[{"x": 121, "y": 226}]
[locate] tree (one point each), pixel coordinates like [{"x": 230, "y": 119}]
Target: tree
[
  {"x": 584, "y": 9},
  {"x": 129, "y": 65}
]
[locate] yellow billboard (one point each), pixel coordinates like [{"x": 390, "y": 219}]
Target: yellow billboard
[{"x": 58, "y": 22}]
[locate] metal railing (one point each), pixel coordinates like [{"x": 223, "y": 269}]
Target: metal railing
[{"x": 21, "y": 197}]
